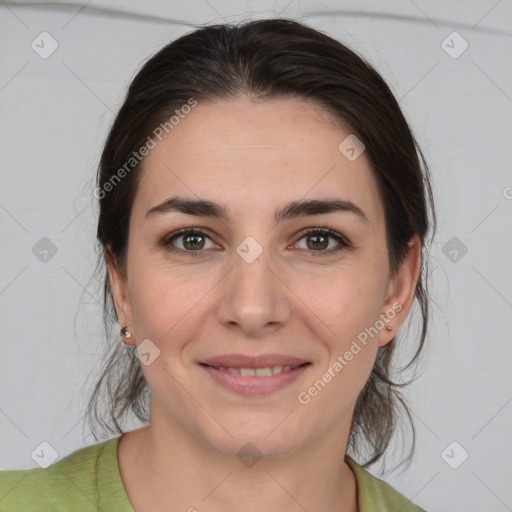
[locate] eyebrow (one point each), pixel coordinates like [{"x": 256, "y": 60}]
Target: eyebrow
[{"x": 293, "y": 209}]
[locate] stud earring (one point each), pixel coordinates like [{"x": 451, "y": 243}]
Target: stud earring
[
  {"x": 389, "y": 328},
  {"x": 125, "y": 334}
]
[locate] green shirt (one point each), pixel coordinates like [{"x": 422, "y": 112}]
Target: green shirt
[{"x": 88, "y": 480}]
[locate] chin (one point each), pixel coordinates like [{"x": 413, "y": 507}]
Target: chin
[
  {"x": 254, "y": 446},
  {"x": 257, "y": 434}
]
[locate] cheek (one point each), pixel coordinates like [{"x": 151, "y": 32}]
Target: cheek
[
  {"x": 353, "y": 308},
  {"x": 164, "y": 302},
  {"x": 357, "y": 309},
  {"x": 158, "y": 293},
  {"x": 350, "y": 300},
  {"x": 352, "y": 345}
]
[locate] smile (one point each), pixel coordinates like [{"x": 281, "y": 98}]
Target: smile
[{"x": 257, "y": 381}]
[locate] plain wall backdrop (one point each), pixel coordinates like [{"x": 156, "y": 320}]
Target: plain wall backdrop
[{"x": 448, "y": 63}]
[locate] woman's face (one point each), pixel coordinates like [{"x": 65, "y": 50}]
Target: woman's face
[{"x": 252, "y": 289}]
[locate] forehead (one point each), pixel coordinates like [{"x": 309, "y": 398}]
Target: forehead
[{"x": 256, "y": 154}]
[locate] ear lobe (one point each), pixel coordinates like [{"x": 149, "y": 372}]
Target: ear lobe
[
  {"x": 117, "y": 279},
  {"x": 401, "y": 291}
]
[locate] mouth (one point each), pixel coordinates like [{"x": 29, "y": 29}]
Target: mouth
[{"x": 255, "y": 376}]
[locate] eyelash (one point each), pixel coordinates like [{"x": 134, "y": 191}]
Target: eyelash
[{"x": 166, "y": 242}]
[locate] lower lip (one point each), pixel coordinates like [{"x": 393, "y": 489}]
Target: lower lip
[{"x": 254, "y": 385}]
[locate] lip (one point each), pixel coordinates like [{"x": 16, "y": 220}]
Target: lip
[
  {"x": 254, "y": 386},
  {"x": 261, "y": 361}
]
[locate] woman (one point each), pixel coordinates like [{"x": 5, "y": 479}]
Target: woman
[{"x": 264, "y": 210}]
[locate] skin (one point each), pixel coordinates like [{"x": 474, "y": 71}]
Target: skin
[{"x": 253, "y": 156}]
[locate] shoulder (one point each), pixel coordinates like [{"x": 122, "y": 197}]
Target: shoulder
[
  {"x": 375, "y": 494},
  {"x": 73, "y": 483}
]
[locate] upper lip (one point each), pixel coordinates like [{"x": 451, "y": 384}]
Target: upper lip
[{"x": 261, "y": 361}]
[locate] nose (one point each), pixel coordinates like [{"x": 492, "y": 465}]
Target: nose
[{"x": 255, "y": 299}]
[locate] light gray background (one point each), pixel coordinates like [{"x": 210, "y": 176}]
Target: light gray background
[{"x": 56, "y": 113}]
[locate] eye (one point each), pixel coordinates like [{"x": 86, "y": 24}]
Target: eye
[
  {"x": 320, "y": 237},
  {"x": 193, "y": 242}
]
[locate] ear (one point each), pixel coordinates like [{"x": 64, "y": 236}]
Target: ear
[
  {"x": 118, "y": 285},
  {"x": 400, "y": 292}
]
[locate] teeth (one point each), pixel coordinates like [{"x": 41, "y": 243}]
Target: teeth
[
  {"x": 266, "y": 371},
  {"x": 276, "y": 369}
]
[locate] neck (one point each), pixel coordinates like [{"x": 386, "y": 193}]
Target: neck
[{"x": 162, "y": 463}]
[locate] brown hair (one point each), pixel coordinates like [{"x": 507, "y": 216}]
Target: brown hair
[{"x": 266, "y": 59}]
